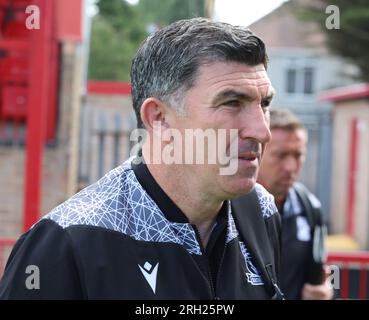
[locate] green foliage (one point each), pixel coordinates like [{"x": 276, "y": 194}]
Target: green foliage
[
  {"x": 351, "y": 40},
  {"x": 164, "y": 12},
  {"x": 119, "y": 28},
  {"x": 116, "y": 34}
]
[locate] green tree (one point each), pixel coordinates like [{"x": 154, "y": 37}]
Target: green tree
[
  {"x": 116, "y": 33},
  {"x": 164, "y": 12},
  {"x": 351, "y": 39},
  {"x": 119, "y": 28}
]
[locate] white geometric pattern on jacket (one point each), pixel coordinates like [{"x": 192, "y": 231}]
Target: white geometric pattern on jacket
[{"x": 118, "y": 202}]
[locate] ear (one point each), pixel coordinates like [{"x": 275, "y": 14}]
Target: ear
[{"x": 154, "y": 110}]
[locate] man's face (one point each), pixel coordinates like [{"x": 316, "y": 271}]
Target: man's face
[
  {"x": 282, "y": 161},
  {"x": 228, "y": 96}
]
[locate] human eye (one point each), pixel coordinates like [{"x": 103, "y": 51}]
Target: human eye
[
  {"x": 299, "y": 156},
  {"x": 265, "y": 104},
  {"x": 232, "y": 103},
  {"x": 280, "y": 155}
]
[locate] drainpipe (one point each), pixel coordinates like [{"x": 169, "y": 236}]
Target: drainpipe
[{"x": 351, "y": 183}]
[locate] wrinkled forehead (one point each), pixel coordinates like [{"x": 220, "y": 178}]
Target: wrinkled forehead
[{"x": 220, "y": 75}]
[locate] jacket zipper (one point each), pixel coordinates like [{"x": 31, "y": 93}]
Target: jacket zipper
[
  {"x": 221, "y": 263},
  {"x": 203, "y": 254},
  {"x": 278, "y": 293}
]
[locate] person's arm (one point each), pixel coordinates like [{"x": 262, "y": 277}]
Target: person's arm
[{"x": 42, "y": 265}]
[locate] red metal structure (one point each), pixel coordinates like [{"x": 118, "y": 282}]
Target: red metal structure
[
  {"x": 19, "y": 51},
  {"x": 109, "y": 87},
  {"x": 352, "y": 177},
  {"x": 347, "y": 93},
  {"x": 29, "y": 68},
  {"x": 354, "y": 268},
  {"x": 29, "y": 89},
  {"x": 14, "y": 69},
  {"x": 40, "y": 53}
]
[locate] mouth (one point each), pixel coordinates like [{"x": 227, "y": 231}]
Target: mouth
[{"x": 249, "y": 156}]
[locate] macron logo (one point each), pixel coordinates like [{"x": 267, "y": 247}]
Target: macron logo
[{"x": 150, "y": 274}]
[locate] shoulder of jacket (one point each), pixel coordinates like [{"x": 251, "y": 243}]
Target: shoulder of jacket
[
  {"x": 266, "y": 200},
  {"x": 315, "y": 203}
]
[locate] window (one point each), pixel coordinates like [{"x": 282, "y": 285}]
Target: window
[
  {"x": 291, "y": 80},
  {"x": 308, "y": 80},
  {"x": 299, "y": 79}
]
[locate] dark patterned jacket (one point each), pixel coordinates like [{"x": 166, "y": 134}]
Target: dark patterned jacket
[{"x": 112, "y": 241}]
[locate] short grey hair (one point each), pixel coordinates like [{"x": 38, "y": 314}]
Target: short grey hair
[
  {"x": 284, "y": 119},
  {"x": 166, "y": 63}
]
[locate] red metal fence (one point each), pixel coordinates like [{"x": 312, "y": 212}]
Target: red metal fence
[{"x": 354, "y": 267}]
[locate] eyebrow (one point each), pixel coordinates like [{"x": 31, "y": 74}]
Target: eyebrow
[
  {"x": 227, "y": 94},
  {"x": 269, "y": 96}
]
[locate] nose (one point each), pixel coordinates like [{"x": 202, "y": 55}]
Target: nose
[
  {"x": 290, "y": 164},
  {"x": 255, "y": 125}
]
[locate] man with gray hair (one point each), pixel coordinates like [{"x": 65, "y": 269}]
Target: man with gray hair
[
  {"x": 303, "y": 229},
  {"x": 160, "y": 229}
]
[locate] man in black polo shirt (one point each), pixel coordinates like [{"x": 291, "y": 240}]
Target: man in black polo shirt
[
  {"x": 301, "y": 276},
  {"x": 154, "y": 228}
]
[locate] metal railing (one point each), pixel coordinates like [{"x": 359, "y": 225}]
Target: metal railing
[{"x": 354, "y": 268}]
